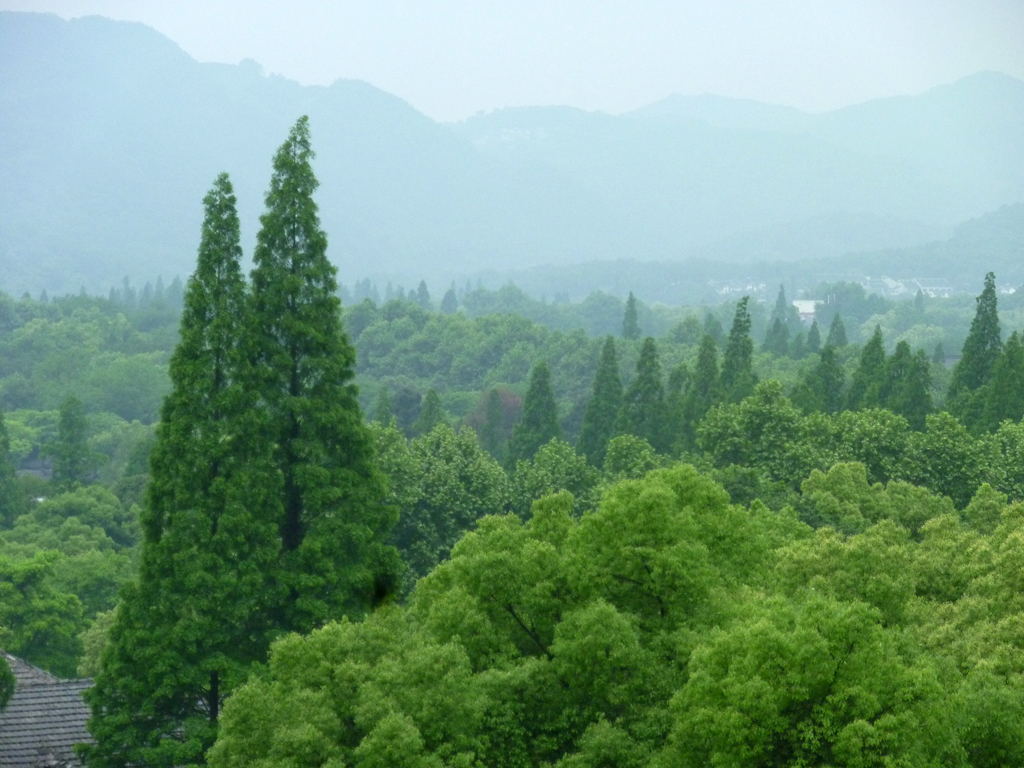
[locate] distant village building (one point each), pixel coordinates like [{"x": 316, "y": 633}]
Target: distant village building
[
  {"x": 807, "y": 309},
  {"x": 43, "y": 720},
  {"x": 933, "y": 288}
]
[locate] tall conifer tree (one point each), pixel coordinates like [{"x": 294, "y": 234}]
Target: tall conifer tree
[
  {"x": 907, "y": 388},
  {"x": 186, "y": 634},
  {"x": 813, "y": 345},
  {"x": 71, "y": 459},
  {"x": 868, "y": 379},
  {"x": 333, "y": 559},
  {"x": 643, "y": 411},
  {"x": 10, "y": 499},
  {"x": 738, "y": 378},
  {"x": 702, "y": 394},
  {"x": 1004, "y": 394},
  {"x": 630, "y": 321},
  {"x": 977, "y": 359},
  {"x": 540, "y": 417},
  {"x": 836, "y": 333},
  {"x": 603, "y": 407}
]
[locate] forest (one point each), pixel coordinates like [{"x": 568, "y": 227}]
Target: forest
[{"x": 286, "y": 522}]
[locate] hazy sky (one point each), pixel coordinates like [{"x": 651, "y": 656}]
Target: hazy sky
[{"x": 451, "y": 58}]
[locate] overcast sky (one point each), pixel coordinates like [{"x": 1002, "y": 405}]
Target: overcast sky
[{"x": 452, "y": 58}]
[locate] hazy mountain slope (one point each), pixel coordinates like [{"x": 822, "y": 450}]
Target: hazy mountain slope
[{"x": 110, "y": 135}]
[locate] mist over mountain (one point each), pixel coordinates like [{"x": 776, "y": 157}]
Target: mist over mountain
[{"x": 110, "y": 136}]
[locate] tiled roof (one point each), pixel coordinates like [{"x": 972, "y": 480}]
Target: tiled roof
[{"x": 43, "y": 720}]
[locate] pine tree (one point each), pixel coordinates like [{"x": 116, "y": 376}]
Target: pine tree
[
  {"x": 492, "y": 432},
  {"x": 980, "y": 351},
  {"x": 1003, "y": 396},
  {"x": 738, "y": 377},
  {"x": 450, "y": 302},
  {"x": 188, "y": 631},
  {"x": 603, "y": 407},
  {"x": 431, "y": 414},
  {"x": 630, "y": 322},
  {"x": 783, "y": 323},
  {"x": 539, "y": 423},
  {"x": 868, "y": 379},
  {"x": 713, "y": 328},
  {"x": 643, "y": 412},
  {"x": 813, "y": 345},
  {"x": 423, "y": 296},
  {"x": 702, "y": 394},
  {"x": 333, "y": 559},
  {"x": 776, "y": 340},
  {"x": 680, "y": 381},
  {"x": 836, "y": 333},
  {"x": 907, "y": 389},
  {"x": 10, "y": 498},
  {"x": 72, "y": 462},
  {"x": 822, "y": 388}
]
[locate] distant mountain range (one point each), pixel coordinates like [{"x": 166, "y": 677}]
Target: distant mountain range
[{"x": 110, "y": 136}]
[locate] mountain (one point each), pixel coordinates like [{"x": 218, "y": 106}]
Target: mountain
[{"x": 110, "y": 135}]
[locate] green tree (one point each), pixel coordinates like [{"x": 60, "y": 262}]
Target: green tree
[
  {"x": 813, "y": 344},
  {"x": 822, "y": 388},
  {"x": 630, "y": 323},
  {"x": 738, "y": 378},
  {"x": 907, "y": 386},
  {"x": 72, "y": 460},
  {"x": 776, "y": 340},
  {"x": 382, "y": 411},
  {"x": 450, "y": 302},
  {"x": 208, "y": 534},
  {"x": 836, "y": 333},
  {"x": 333, "y": 558},
  {"x": 539, "y": 422},
  {"x": 869, "y": 377},
  {"x": 1004, "y": 394},
  {"x": 782, "y": 323},
  {"x": 643, "y": 411},
  {"x": 603, "y": 407},
  {"x": 431, "y": 414},
  {"x": 6, "y": 683},
  {"x": 977, "y": 358},
  {"x": 423, "y": 296},
  {"x": 702, "y": 393},
  {"x": 10, "y": 497}
]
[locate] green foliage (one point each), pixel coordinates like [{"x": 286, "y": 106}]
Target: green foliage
[
  {"x": 539, "y": 422},
  {"x": 822, "y": 388},
  {"x": 431, "y": 414},
  {"x": 979, "y": 355},
  {"x": 630, "y": 323},
  {"x": 6, "y": 683},
  {"x": 72, "y": 462},
  {"x": 869, "y": 378},
  {"x": 836, "y": 333},
  {"x": 644, "y": 412},
  {"x": 738, "y": 378},
  {"x": 603, "y": 406},
  {"x": 554, "y": 467},
  {"x": 1003, "y": 395},
  {"x": 11, "y": 503}
]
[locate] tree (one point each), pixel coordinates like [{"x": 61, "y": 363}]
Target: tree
[
  {"x": 431, "y": 414},
  {"x": 382, "y": 411},
  {"x": 836, "y": 333},
  {"x": 450, "y": 302},
  {"x": 643, "y": 412},
  {"x": 423, "y": 296},
  {"x": 782, "y": 323},
  {"x": 978, "y": 357},
  {"x": 869, "y": 377},
  {"x": 72, "y": 462},
  {"x": 603, "y": 407},
  {"x": 10, "y": 497},
  {"x": 211, "y": 504},
  {"x": 703, "y": 392},
  {"x": 776, "y": 340},
  {"x": 1003, "y": 396},
  {"x": 907, "y": 385},
  {"x": 630, "y": 323},
  {"x": 822, "y": 388},
  {"x": 539, "y": 423},
  {"x": 333, "y": 559},
  {"x": 738, "y": 377},
  {"x": 813, "y": 344}
]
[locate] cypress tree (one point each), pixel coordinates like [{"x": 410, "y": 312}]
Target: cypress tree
[
  {"x": 836, "y": 333},
  {"x": 431, "y": 414},
  {"x": 908, "y": 385},
  {"x": 738, "y": 377},
  {"x": 630, "y": 322},
  {"x": 450, "y": 302},
  {"x": 423, "y": 296},
  {"x": 603, "y": 407},
  {"x": 980, "y": 351},
  {"x": 643, "y": 412},
  {"x": 867, "y": 381},
  {"x": 186, "y": 634},
  {"x": 822, "y": 389},
  {"x": 333, "y": 559},
  {"x": 813, "y": 345},
  {"x": 702, "y": 393},
  {"x": 10, "y": 499},
  {"x": 71, "y": 458},
  {"x": 776, "y": 340},
  {"x": 539, "y": 423},
  {"x": 1004, "y": 394}
]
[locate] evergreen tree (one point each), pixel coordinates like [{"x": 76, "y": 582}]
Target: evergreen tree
[
  {"x": 492, "y": 432},
  {"x": 783, "y": 323},
  {"x": 1004, "y": 394},
  {"x": 836, "y": 333},
  {"x": 383, "y": 413},
  {"x": 186, "y": 634},
  {"x": 822, "y": 389},
  {"x": 603, "y": 407},
  {"x": 776, "y": 340},
  {"x": 680, "y": 382},
  {"x": 702, "y": 394},
  {"x": 540, "y": 417},
  {"x": 333, "y": 559},
  {"x": 431, "y": 414},
  {"x": 939, "y": 354},
  {"x": 10, "y": 498},
  {"x": 908, "y": 384},
  {"x": 423, "y": 296},
  {"x": 630, "y": 323},
  {"x": 813, "y": 345},
  {"x": 980, "y": 351},
  {"x": 713, "y": 328},
  {"x": 868, "y": 379},
  {"x": 72, "y": 461},
  {"x": 643, "y": 412},
  {"x": 738, "y": 377},
  {"x": 450, "y": 302}
]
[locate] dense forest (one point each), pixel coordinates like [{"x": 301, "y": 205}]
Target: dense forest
[{"x": 282, "y": 521}]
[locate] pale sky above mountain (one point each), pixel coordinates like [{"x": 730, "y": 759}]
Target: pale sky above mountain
[{"x": 452, "y": 58}]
